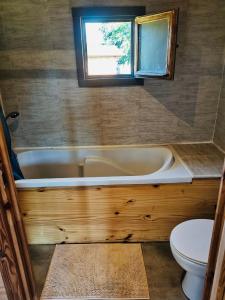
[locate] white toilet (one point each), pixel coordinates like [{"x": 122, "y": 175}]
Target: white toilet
[{"x": 190, "y": 243}]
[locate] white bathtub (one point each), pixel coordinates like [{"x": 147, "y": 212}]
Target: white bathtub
[{"x": 83, "y": 166}]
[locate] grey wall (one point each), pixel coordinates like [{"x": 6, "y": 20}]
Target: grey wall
[
  {"x": 38, "y": 78},
  {"x": 219, "y": 136}
]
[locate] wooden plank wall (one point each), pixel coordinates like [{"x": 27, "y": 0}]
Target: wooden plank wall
[{"x": 114, "y": 213}]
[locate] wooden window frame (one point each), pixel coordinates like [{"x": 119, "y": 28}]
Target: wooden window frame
[{"x": 103, "y": 14}]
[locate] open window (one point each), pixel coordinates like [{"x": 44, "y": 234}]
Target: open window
[{"x": 119, "y": 46}]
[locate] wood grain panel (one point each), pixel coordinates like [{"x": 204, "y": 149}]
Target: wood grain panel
[
  {"x": 96, "y": 271},
  {"x": 221, "y": 286},
  {"x": 115, "y": 213},
  {"x": 215, "y": 245},
  {"x": 218, "y": 286},
  {"x": 8, "y": 265},
  {"x": 15, "y": 265}
]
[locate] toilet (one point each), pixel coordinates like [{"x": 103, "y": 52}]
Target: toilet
[{"x": 190, "y": 244}]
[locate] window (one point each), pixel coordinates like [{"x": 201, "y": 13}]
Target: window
[
  {"x": 120, "y": 45},
  {"x": 108, "y": 48}
]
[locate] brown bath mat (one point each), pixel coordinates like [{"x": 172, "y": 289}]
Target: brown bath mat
[{"x": 96, "y": 271}]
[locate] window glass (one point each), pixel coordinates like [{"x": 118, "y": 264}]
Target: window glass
[
  {"x": 108, "y": 48},
  {"x": 154, "y": 47}
]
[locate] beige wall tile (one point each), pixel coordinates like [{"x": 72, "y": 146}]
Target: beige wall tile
[
  {"x": 219, "y": 136},
  {"x": 38, "y": 78}
]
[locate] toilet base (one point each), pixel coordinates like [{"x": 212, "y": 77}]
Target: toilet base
[{"x": 193, "y": 286}]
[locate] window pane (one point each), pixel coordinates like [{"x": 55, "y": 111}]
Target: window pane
[
  {"x": 153, "y": 47},
  {"x": 108, "y": 48}
]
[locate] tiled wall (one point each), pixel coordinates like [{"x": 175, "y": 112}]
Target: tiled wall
[
  {"x": 219, "y": 136},
  {"x": 38, "y": 78}
]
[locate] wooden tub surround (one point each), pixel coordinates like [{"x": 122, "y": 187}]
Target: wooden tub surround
[{"x": 131, "y": 213}]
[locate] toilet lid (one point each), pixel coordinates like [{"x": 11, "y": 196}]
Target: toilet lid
[{"x": 192, "y": 239}]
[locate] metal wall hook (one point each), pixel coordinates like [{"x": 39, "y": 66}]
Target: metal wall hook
[{"x": 13, "y": 115}]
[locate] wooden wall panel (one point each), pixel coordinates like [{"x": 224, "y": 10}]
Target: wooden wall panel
[
  {"x": 218, "y": 287},
  {"x": 116, "y": 213},
  {"x": 217, "y": 245},
  {"x": 15, "y": 264},
  {"x": 8, "y": 264}
]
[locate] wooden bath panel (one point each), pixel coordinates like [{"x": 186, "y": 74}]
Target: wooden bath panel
[{"x": 114, "y": 213}]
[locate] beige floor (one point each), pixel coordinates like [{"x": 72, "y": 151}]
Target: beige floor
[{"x": 162, "y": 271}]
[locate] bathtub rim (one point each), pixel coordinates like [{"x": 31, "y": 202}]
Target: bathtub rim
[
  {"x": 177, "y": 173},
  {"x": 168, "y": 161}
]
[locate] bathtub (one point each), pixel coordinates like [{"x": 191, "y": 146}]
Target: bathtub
[
  {"x": 95, "y": 166},
  {"x": 108, "y": 194}
]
